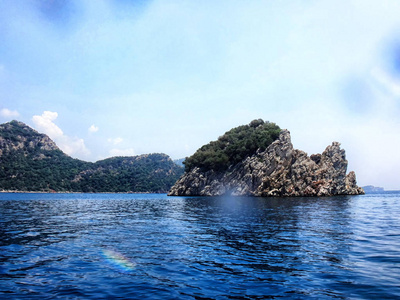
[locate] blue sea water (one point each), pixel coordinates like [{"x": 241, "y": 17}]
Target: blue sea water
[{"x": 150, "y": 246}]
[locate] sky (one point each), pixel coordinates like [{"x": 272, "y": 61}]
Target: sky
[{"x": 123, "y": 77}]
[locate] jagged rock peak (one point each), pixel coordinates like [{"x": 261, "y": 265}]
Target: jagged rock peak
[{"x": 279, "y": 170}]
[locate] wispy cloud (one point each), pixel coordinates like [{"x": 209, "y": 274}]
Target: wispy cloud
[
  {"x": 387, "y": 82},
  {"x": 7, "y": 113},
  {"x": 115, "y": 141},
  {"x": 122, "y": 152}
]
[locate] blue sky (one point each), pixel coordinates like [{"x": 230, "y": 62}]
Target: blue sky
[{"x": 119, "y": 77}]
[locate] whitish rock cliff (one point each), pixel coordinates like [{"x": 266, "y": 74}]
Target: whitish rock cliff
[{"x": 280, "y": 171}]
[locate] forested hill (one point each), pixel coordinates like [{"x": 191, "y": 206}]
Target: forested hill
[{"x": 31, "y": 161}]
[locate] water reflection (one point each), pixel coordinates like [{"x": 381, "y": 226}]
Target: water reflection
[{"x": 277, "y": 234}]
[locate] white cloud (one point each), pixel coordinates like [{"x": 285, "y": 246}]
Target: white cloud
[
  {"x": 5, "y": 112},
  {"x": 122, "y": 152},
  {"x": 71, "y": 145},
  {"x": 44, "y": 123},
  {"x": 93, "y": 128},
  {"x": 115, "y": 141}
]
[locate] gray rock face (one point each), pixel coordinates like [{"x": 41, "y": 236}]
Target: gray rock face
[
  {"x": 279, "y": 171},
  {"x": 21, "y": 137}
]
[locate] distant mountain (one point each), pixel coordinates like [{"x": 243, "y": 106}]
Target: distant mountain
[
  {"x": 31, "y": 161},
  {"x": 179, "y": 162},
  {"x": 373, "y": 189}
]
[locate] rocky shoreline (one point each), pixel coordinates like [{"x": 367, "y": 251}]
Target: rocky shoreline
[{"x": 279, "y": 171}]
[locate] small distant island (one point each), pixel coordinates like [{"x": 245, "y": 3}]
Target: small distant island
[
  {"x": 373, "y": 189},
  {"x": 31, "y": 161},
  {"x": 258, "y": 159}
]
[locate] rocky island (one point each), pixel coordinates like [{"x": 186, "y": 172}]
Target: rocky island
[{"x": 270, "y": 168}]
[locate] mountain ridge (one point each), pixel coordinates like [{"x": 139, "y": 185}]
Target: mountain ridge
[{"x": 31, "y": 161}]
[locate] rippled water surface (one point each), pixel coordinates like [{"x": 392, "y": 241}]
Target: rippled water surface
[{"x": 96, "y": 246}]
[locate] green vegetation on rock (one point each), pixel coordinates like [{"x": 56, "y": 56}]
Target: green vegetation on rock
[
  {"x": 144, "y": 173},
  {"x": 30, "y": 161},
  {"x": 234, "y": 146}
]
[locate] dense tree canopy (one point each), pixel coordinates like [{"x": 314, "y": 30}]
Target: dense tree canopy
[
  {"x": 30, "y": 161},
  {"x": 234, "y": 146}
]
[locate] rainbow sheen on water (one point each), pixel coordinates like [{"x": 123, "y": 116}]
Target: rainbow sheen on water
[{"x": 118, "y": 260}]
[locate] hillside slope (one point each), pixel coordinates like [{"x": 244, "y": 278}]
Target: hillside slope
[{"x": 31, "y": 161}]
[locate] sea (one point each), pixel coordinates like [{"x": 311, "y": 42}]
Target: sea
[{"x": 151, "y": 246}]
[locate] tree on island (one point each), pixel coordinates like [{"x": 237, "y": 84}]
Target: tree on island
[{"x": 233, "y": 146}]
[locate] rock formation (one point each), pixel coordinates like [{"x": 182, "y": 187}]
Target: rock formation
[
  {"x": 15, "y": 136},
  {"x": 279, "y": 171}
]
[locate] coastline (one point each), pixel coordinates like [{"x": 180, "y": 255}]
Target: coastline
[{"x": 69, "y": 192}]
